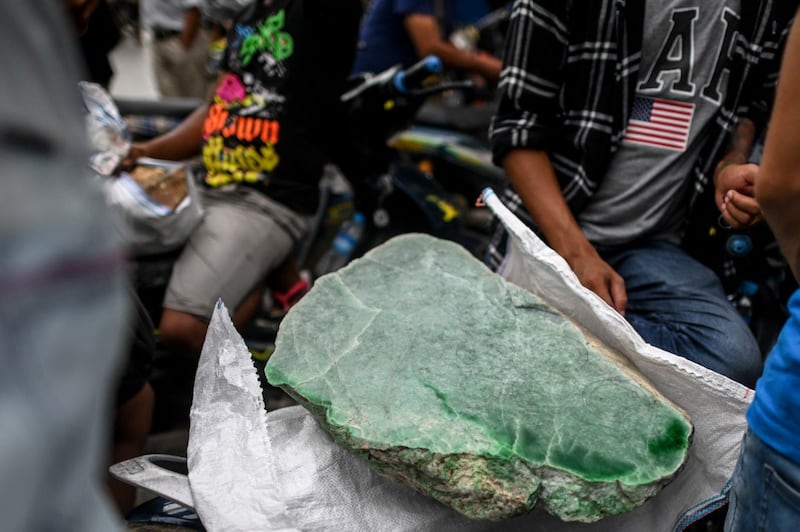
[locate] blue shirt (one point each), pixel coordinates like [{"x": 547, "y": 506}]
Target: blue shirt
[
  {"x": 384, "y": 40},
  {"x": 774, "y": 415},
  {"x": 471, "y": 11}
]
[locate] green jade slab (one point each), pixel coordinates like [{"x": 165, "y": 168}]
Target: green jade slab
[{"x": 474, "y": 391}]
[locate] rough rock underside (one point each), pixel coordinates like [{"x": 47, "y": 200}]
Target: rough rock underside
[{"x": 474, "y": 391}]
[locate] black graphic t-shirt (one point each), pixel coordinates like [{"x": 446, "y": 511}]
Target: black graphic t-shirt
[{"x": 272, "y": 121}]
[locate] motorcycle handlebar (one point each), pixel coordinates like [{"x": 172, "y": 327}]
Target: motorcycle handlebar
[
  {"x": 411, "y": 78},
  {"x": 403, "y": 82}
]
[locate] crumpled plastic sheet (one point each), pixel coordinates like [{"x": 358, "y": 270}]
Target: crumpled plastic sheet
[{"x": 108, "y": 134}]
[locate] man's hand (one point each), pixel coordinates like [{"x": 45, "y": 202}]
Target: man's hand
[
  {"x": 423, "y": 30},
  {"x": 598, "y": 276},
  {"x": 533, "y": 177},
  {"x": 136, "y": 151},
  {"x": 735, "y": 194}
]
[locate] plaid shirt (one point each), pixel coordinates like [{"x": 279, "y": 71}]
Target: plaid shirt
[{"x": 569, "y": 79}]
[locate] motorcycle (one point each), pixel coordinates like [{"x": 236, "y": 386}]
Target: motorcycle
[
  {"x": 401, "y": 195},
  {"x": 448, "y": 135}
]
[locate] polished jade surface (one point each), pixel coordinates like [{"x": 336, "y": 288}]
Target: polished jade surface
[{"x": 473, "y": 390}]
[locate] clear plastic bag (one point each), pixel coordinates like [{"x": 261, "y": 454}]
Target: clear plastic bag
[{"x": 159, "y": 200}]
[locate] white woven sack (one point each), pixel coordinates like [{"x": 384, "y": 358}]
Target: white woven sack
[{"x": 307, "y": 482}]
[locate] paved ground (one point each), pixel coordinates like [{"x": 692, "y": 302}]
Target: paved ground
[{"x": 133, "y": 76}]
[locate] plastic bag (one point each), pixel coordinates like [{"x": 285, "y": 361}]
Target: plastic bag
[
  {"x": 158, "y": 219},
  {"x": 156, "y": 226},
  {"x": 108, "y": 134}
]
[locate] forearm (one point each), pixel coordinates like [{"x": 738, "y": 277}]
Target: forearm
[
  {"x": 191, "y": 25},
  {"x": 778, "y": 180},
  {"x": 532, "y": 176},
  {"x": 486, "y": 65},
  {"x": 740, "y": 147},
  {"x": 182, "y": 142},
  {"x": 424, "y": 33},
  {"x": 535, "y": 181},
  {"x": 780, "y": 205}
]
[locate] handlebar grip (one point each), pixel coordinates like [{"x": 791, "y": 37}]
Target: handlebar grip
[{"x": 412, "y": 77}]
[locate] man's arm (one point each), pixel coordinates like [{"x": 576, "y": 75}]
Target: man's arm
[
  {"x": 191, "y": 25},
  {"x": 181, "y": 142},
  {"x": 532, "y": 176},
  {"x": 424, "y": 33},
  {"x": 777, "y": 186},
  {"x": 522, "y": 130},
  {"x": 734, "y": 179}
]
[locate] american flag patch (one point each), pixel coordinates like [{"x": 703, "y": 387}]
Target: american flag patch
[{"x": 660, "y": 123}]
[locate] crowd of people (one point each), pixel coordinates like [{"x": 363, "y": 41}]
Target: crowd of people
[{"x": 615, "y": 124}]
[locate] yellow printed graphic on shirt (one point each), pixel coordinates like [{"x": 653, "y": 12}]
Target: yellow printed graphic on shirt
[{"x": 242, "y": 163}]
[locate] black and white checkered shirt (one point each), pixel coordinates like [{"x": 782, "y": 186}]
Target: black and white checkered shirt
[{"x": 569, "y": 79}]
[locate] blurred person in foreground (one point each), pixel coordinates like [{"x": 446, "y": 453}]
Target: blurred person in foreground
[
  {"x": 134, "y": 396},
  {"x": 614, "y": 121},
  {"x": 63, "y": 299},
  {"x": 765, "y": 493}
]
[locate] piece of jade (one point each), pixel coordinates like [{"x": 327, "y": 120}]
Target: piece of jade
[{"x": 474, "y": 391}]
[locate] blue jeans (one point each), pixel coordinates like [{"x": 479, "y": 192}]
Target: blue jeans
[
  {"x": 765, "y": 493},
  {"x": 677, "y": 304}
]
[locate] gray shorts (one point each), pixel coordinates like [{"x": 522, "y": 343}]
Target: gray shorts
[{"x": 242, "y": 237}]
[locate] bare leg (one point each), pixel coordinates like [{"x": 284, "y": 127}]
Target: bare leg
[
  {"x": 185, "y": 333},
  {"x": 285, "y": 276},
  {"x": 182, "y": 333},
  {"x": 248, "y": 308},
  {"x": 131, "y": 428},
  {"x": 285, "y": 282}
]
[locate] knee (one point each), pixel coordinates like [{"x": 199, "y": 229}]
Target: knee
[
  {"x": 733, "y": 352},
  {"x": 182, "y": 333}
]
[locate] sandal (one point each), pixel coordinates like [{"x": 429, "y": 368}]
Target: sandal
[{"x": 287, "y": 299}]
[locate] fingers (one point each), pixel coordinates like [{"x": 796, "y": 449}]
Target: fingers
[
  {"x": 740, "y": 210},
  {"x": 126, "y": 163},
  {"x": 129, "y": 161},
  {"x": 612, "y": 291},
  {"x": 735, "y": 193},
  {"x": 619, "y": 295},
  {"x": 608, "y": 284},
  {"x": 740, "y": 177}
]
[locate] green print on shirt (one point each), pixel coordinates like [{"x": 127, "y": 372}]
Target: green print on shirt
[{"x": 269, "y": 37}]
